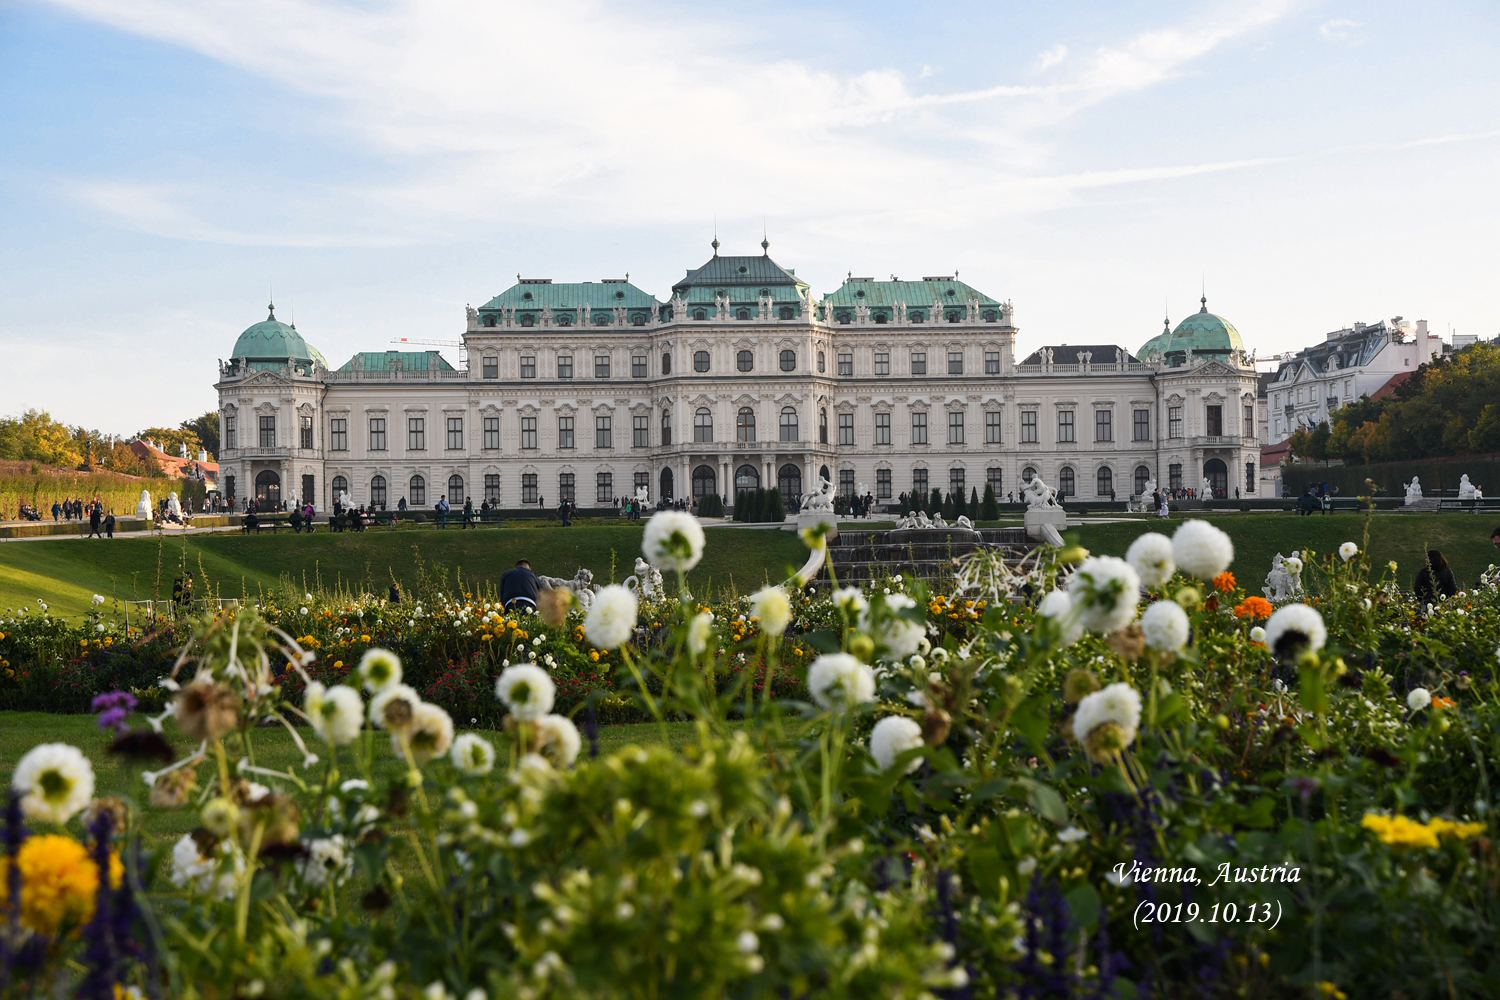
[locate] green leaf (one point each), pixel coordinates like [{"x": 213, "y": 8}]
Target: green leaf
[
  {"x": 1259, "y": 812},
  {"x": 1172, "y": 708},
  {"x": 991, "y": 789},
  {"x": 824, "y": 641},
  {"x": 985, "y": 869},
  {"x": 1031, "y": 720},
  {"x": 1045, "y": 800},
  {"x": 1083, "y": 905}
]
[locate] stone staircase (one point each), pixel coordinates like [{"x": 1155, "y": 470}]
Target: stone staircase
[{"x": 862, "y": 557}]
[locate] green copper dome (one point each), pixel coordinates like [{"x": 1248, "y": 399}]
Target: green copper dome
[
  {"x": 1203, "y": 333},
  {"x": 1157, "y": 345},
  {"x": 273, "y": 342}
]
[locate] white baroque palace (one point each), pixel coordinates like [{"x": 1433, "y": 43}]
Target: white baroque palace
[{"x": 740, "y": 379}]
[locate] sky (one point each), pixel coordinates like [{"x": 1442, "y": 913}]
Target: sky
[{"x": 167, "y": 165}]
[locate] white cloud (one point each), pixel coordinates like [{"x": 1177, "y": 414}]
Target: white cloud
[
  {"x": 1052, "y": 56},
  {"x": 1340, "y": 31}
]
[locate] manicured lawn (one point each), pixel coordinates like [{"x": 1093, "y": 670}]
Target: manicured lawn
[
  {"x": 1464, "y": 539},
  {"x": 66, "y": 573}
]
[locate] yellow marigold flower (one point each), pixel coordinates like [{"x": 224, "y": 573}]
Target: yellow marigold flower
[
  {"x": 364, "y": 638},
  {"x": 1399, "y": 831},
  {"x": 58, "y": 882},
  {"x": 1327, "y": 989},
  {"x": 594, "y": 655},
  {"x": 84, "y": 643},
  {"x": 1461, "y": 831},
  {"x": 486, "y": 637}
]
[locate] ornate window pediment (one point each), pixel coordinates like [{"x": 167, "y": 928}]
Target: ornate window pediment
[{"x": 266, "y": 408}]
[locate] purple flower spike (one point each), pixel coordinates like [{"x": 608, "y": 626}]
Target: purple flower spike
[{"x": 113, "y": 709}]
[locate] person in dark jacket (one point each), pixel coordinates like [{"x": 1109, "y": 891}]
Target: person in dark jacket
[
  {"x": 518, "y": 587},
  {"x": 109, "y": 525},
  {"x": 1434, "y": 578},
  {"x": 95, "y": 521}
]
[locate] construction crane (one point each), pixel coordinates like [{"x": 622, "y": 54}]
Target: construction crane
[{"x": 462, "y": 351}]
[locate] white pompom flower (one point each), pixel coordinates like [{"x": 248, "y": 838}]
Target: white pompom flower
[
  {"x": 430, "y": 734},
  {"x": 55, "y": 781},
  {"x": 699, "y": 631},
  {"x": 473, "y": 755},
  {"x": 612, "y": 618},
  {"x": 1348, "y": 551},
  {"x": 1165, "y": 626},
  {"x": 559, "y": 741},
  {"x": 839, "y": 680},
  {"x": 899, "y": 637},
  {"x": 393, "y": 706},
  {"x": 893, "y": 736},
  {"x": 379, "y": 668},
  {"x": 850, "y": 600},
  {"x": 1150, "y": 556},
  {"x": 1295, "y": 629},
  {"x": 1293, "y": 565},
  {"x": 327, "y": 862},
  {"x": 1057, "y": 607},
  {"x": 526, "y": 690},
  {"x": 774, "y": 609},
  {"x": 1104, "y": 590},
  {"x": 1418, "y": 699},
  {"x": 1202, "y": 550},
  {"x": 336, "y": 714},
  {"x": 1106, "y": 721},
  {"x": 673, "y": 541},
  {"x": 194, "y": 871}
]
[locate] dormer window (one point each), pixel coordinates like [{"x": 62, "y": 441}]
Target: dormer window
[
  {"x": 989, "y": 316},
  {"x": 639, "y": 319},
  {"x": 700, "y": 314},
  {"x": 564, "y": 319},
  {"x": 489, "y": 321},
  {"x": 952, "y": 316},
  {"x": 528, "y": 320},
  {"x": 742, "y": 314},
  {"x": 843, "y": 318},
  {"x": 526, "y": 296},
  {"x": 880, "y": 318},
  {"x": 786, "y": 312},
  {"x": 915, "y": 316}
]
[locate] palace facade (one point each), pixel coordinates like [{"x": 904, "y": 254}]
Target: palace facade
[{"x": 741, "y": 378}]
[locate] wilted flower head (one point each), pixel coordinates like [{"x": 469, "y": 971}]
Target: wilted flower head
[
  {"x": 206, "y": 710},
  {"x": 774, "y": 609},
  {"x": 1165, "y": 626},
  {"x": 430, "y": 734},
  {"x": 552, "y": 605},
  {"x": 1080, "y": 683},
  {"x": 171, "y": 790},
  {"x": 699, "y": 631},
  {"x": 839, "y": 680},
  {"x": 893, "y": 736},
  {"x": 1104, "y": 592},
  {"x": 1295, "y": 629},
  {"x": 336, "y": 714},
  {"x": 473, "y": 755},
  {"x": 393, "y": 706},
  {"x": 526, "y": 690},
  {"x": 1201, "y": 549},
  {"x": 673, "y": 541},
  {"x": 612, "y": 618},
  {"x": 1348, "y": 551},
  {"x": 378, "y": 669},
  {"x": 558, "y": 740},
  {"x": 1150, "y": 556},
  {"x": 55, "y": 781}
]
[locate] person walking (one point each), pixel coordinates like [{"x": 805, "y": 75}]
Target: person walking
[
  {"x": 109, "y": 524},
  {"x": 442, "y": 513},
  {"x": 56, "y": 510},
  {"x": 1436, "y": 577},
  {"x": 468, "y": 512},
  {"x": 96, "y": 519}
]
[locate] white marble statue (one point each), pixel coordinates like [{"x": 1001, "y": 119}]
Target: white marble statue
[
  {"x": 938, "y": 520},
  {"x": 144, "y": 508},
  {"x": 1466, "y": 489},
  {"x": 291, "y": 499},
  {"x": 1413, "y": 490},
  {"x": 646, "y": 583},
  {"x": 1281, "y": 583},
  {"x": 473, "y": 315},
  {"x": 581, "y": 585},
  {"x": 965, "y": 523},
  {"x": 1036, "y": 493},
  {"x": 174, "y": 508},
  {"x": 1149, "y": 488},
  {"x": 344, "y": 501},
  {"x": 642, "y": 496},
  {"x": 821, "y": 498},
  {"x": 1205, "y": 490}
]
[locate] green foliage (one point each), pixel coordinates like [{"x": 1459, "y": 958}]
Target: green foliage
[
  {"x": 989, "y": 509},
  {"x": 775, "y": 511},
  {"x": 206, "y": 429},
  {"x": 710, "y": 505}
]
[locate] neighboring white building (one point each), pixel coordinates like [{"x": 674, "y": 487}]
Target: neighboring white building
[
  {"x": 740, "y": 379},
  {"x": 1346, "y": 366}
]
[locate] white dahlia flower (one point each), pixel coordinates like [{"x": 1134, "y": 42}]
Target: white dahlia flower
[
  {"x": 850, "y": 600},
  {"x": 612, "y": 618},
  {"x": 1106, "y": 721},
  {"x": 1058, "y": 607},
  {"x": 379, "y": 668},
  {"x": 430, "y": 735},
  {"x": 559, "y": 742},
  {"x": 1348, "y": 551},
  {"x": 839, "y": 680},
  {"x": 893, "y": 736},
  {"x": 393, "y": 706},
  {"x": 1295, "y": 629},
  {"x": 700, "y": 630},
  {"x": 327, "y": 862},
  {"x": 526, "y": 690},
  {"x": 774, "y": 609},
  {"x": 1150, "y": 556},
  {"x": 1165, "y": 626},
  {"x": 336, "y": 714},
  {"x": 1293, "y": 565},
  {"x": 194, "y": 871},
  {"x": 1202, "y": 550},
  {"x": 55, "y": 781},
  {"x": 1257, "y": 634},
  {"x": 900, "y": 636},
  {"x": 1418, "y": 699},
  {"x": 673, "y": 541},
  {"x": 473, "y": 755},
  {"x": 1104, "y": 591}
]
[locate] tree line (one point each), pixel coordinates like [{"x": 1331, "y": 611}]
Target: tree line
[{"x": 35, "y": 436}]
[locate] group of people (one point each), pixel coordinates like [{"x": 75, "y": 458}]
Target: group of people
[{"x": 72, "y": 509}]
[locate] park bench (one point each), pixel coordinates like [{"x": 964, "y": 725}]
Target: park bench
[
  {"x": 263, "y": 521},
  {"x": 1472, "y": 506}
]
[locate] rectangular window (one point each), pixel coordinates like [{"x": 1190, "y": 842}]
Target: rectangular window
[
  {"x": 1142, "y": 425},
  {"x": 666, "y": 428},
  {"x": 528, "y": 366},
  {"x": 528, "y": 487},
  {"x": 956, "y": 482},
  {"x": 604, "y": 487},
  {"x": 377, "y": 433},
  {"x": 268, "y": 432},
  {"x": 491, "y": 367},
  {"x": 1174, "y": 477},
  {"x": 919, "y": 481},
  {"x": 956, "y": 428},
  {"x": 565, "y": 487},
  {"x": 455, "y": 433},
  {"x": 919, "y": 428},
  {"x": 1249, "y": 430},
  {"x": 846, "y": 428},
  {"x": 992, "y": 362},
  {"x": 416, "y": 433},
  {"x": 846, "y": 482},
  {"x": 882, "y": 428},
  {"x": 309, "y": 487},
  {"x": 995, "y": 478},
  {"x": 229, "y": 487},
  {"x": 492, "y": 488},
  {"x": 338, "y": 434},
  {"x": 638, "y": 366},
  {"x": 565, "y": 367},
  {"x": 882, "y": 364},
  {"x": 491, "y": 433},
  {"x": 642, "y": 479},
  {"x": 1249, "y": 477},
  {"x": 1214, "y": 421},
  {"x": 528, "y": 432},
  {"x": 1028, "y": 427},
  {"x": 230, "y": 435},
  {"x": 1104, "y": 425},
  {"x": 882, "y": 484},
  {"x": 640, "y": 433},
  {"x": 565, "y": 432},
  {"x": 955, "y": 362},
  {"x": 992, "y": 427},
  {"x": 919, "y": 363},
  {"x": 1174, "y": 421},
  {"x": 846, "y": 364},
  {"x": 304, "y": 426},
  {"x": 1065, "y": 427},
  {"x": 604, "y": 434},
  {"x": 601, "y": 366}
]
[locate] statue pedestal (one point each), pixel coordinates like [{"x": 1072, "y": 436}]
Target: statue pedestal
[
  {"x": 1046, "y": 524},
  {"x": 809, "y": 518}
]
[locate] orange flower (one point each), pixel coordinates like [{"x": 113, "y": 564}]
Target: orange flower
[
  {"x": 1254, "y": 607},
  {"x": 1440, "y": 702},
  {"x": 1224, "y": 582}
]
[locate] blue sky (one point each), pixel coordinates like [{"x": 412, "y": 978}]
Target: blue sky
[{"x": 384, "y": 163}]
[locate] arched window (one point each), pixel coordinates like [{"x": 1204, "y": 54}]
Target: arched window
[
  {"x": 666, "y": 427},
  {"x": 744, "y": 361},
  {"x": 416, "y": 492},
  {"x": 788, "y": 361},
  {"x": 704, "y": 481},
  {"x": 1217, "y": 474},
  {"x": 825, "y": 474},
  {"x": 1066, "y": 485},
  {"x": 377, "y": 492},
  {"x": 700, "y": 361},
  {"x": 823, "y": 426},
  {"x": 744, "y": 424},
  {"x": 639, "y": 319},
  {"x": 1028, "y": 474},
  {"x": 1142, "y": 476},
  {"x": 742, "y": 314},
  {"x": 703, "y": 425},
  {"x": 789, "y": 481},
  {"x": 339, "y": 485},
  {"x": 456, "y": 489},
  {"x": 666, "y": 484},
  {"x": 789, "y": 423},
  {"x": 746, "y": 477},
  {"x": 787, "y": 312},
  {"x": 1104, "y": 482},
  {"x": 268, "y": 488}
]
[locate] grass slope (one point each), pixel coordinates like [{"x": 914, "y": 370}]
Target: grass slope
[
  {"x": 66, "y": 573},
  {"x": 1463, "y": 539}
]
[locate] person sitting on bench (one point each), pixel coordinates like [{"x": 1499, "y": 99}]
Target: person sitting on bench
[
  {"x": 518, "y": 588},
  {"x": 250, "y": 523},
  {"x": 295, "y": 519}
]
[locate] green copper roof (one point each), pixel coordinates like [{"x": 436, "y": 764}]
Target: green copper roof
[
  {"x": 948, "y": 291},
  {"x": 1157, "y": 345},
  {"x": 411, "y": 361},
  {"x": 535, "y": 293},
  {"x": 735, "y": 274},
  {"x": 274, "y": 341},
  {"x": 1204, "y": 333}
]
